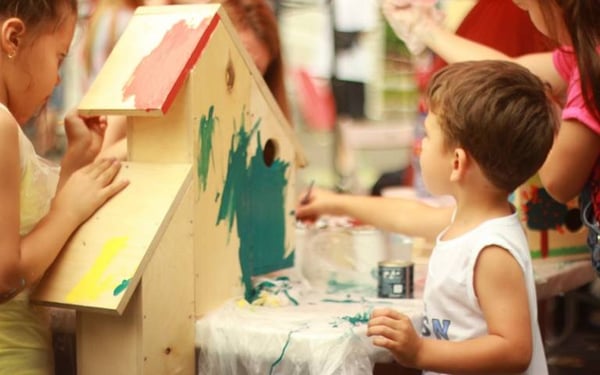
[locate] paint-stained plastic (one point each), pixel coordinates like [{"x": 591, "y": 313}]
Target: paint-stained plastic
[{"x": 320, "y": 334}]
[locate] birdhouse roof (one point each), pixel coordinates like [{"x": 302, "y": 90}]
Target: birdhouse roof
[{"x": 151, "y": 60}]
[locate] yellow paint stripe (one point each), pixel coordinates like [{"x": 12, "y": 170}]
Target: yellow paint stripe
[{"x": 96, "y": 281}]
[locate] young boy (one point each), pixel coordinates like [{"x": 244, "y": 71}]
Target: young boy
[{"x": 490, "y": 127}]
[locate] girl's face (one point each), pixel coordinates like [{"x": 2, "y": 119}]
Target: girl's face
[
  {"x": 536, "y": 15},
  {"x": 35, "y": 68},
  {"x": 435, "y": 158}
]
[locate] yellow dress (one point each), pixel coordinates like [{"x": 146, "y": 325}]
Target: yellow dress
[{"x": 25, "y": 340}]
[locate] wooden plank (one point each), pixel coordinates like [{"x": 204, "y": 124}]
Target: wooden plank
[
  {"x": 227, "y": 109},
  {"x": 168, "y": 297},
  {"x": 262, "y": 92},
  {"x": 150, "y": 61},
  {"x": 110, "y": 344},
  {"x": 155, "y": 334},
  {"x": 104, "y": 260},
  {"x": 164, "y": 139}
]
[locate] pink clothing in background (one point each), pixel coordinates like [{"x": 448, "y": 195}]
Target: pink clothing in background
[{"x": 574, "y": 107}]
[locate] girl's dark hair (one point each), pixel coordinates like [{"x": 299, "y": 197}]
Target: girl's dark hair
[
  {"x": 35, "y": 13},
  {"x": 581, "y": 18}
]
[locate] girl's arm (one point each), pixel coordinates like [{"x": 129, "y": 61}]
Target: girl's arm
[
  {"x": 10, "y": 255},
  {"x": 454, "y": 48},
  {"x": 115, "y": 137},
  {"x": 85, "y": 191},
  {"x": 570, "y": 161},
  {"x": 406, "y": 216},
  {"x": 23, "y": 260},
  {"x": 576, "y": 147}
]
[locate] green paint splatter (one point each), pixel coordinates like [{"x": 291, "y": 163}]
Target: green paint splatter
[
  {"x": 336, "y": 286},
  {"x": 254, "y": 195},
  {"x": 121, "y": 287},
  {"x": 358, "y": 318},
  {"x": 285, "y": 346},
  {"x": 205, "y": 134}
]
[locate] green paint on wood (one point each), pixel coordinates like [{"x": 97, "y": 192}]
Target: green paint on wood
[
  {"x": 121, "y": 287},
  {"x": 205, "y": 134},
  {"x": 254, "y": 195}
]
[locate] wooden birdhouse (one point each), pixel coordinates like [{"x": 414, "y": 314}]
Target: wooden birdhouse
[
  {"x": 211, "y": 160},
  {"x": 553, "y": 229}
]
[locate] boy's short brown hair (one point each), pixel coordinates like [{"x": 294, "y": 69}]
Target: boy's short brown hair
[{"x": 500, "y": 113}]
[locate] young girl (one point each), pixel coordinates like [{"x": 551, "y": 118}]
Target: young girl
[
  {"x": 34, "y": 39},
  {"x": 572, "y": 71}
]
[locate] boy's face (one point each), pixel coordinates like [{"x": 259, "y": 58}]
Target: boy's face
[{"x": 435, "y": 159}]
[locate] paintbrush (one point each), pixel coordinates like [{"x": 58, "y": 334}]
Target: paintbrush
[{"x": 306, "y": 197}]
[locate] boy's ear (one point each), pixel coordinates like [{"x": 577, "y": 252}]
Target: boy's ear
[
  {"x": 460, "y": 162},
  {"x": 11, "y": 35}
]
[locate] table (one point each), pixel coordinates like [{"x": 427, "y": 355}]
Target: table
[
  {"x": 554, "y": 278},
  {"x": 325, "y": 333}
]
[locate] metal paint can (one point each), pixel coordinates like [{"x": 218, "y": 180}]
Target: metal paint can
[{"x": 395, "y": 279}]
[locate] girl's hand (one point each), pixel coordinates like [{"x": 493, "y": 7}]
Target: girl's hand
[
  {"x": 394, "y": 331},
  {"x": 411, "y": 20},
  {"x": 88, "y": 188},
  {"x": 84, "y": 140}
]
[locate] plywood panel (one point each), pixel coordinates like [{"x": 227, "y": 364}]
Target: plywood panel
[
  {"x": 104, "y": 260},
  {"x": 168, "y": 297},
  {"x": 241, "y": 200},
  {"x": 166, "y": 139}
]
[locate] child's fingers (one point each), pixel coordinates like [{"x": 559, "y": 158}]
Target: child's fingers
[
  {"x": 114, "y": 188},
  {"x": 96, "y": 168},
  {"x": 387, "y": 312},
  {"x": 109, "y": 172}
]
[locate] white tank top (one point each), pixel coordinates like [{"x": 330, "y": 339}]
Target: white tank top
[{"x": 452, "y": 311}]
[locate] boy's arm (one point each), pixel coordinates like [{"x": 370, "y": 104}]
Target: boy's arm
[
  {"x": 500, "y": 288},
  {"x": 407, "y": 216}
]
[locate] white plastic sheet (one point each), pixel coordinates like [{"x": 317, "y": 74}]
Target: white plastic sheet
[{"x": 323, "y": 334}]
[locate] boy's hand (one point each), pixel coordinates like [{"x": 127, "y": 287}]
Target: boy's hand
[
  {"x": 88, "y": 188},
  {"x": 314, "y": 204},
  {"x": 394, "y": 331}
]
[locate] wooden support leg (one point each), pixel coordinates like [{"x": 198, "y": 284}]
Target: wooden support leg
[{"x": 155, "y": 334}]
